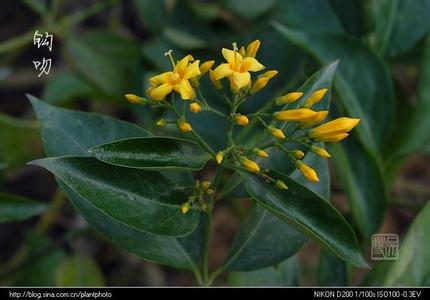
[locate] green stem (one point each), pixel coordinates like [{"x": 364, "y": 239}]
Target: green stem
[{"x": 49, "y": 217}]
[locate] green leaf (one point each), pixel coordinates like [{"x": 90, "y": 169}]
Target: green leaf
[
  {"x": 152, "y": 153},
  {"x": 263, "y": 240},
  {"x": 152, "y": 14},
  {"x": 331, "y": 270},
  {"x": 16, "y": 208},
  {"x": 66, "y": 86},
  {"x": 107, "y": 61},
  {"x": 184, "y": 40},
  {"x": 284, "y": 274},
  {"x": 309, "y": 15},
  {"x": 79, "y": 270},
  {"x": 20, "y": 141},
  {"x": 363, "y": 181},
  {"x": 59, "y": 125},
  {"x": 3, "y": 166},
  {"x": 399, "y": 24},
  {"x": 308, "y": 213},
  {"x": 146, "y": 201},
  {"x": 38, "y": 6},
  {"x": 183, "y": 253},
  {"x": 68, "y": 132},
  {"x": 417, "y": 134},
  {"x": 359, "y": 98},
  {"x": 413, "y": 266},
  {"x": 250, "y": 9}
]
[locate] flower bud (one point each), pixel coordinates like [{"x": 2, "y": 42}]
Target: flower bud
[
  {"x": 260, "y": 153},
  {"x": 315, "y": 97},
  {"x": 320, "y": 151},
  {"x": 249, "y": 165},
  {"x": 195, "y": 107},
  {"x": 281, "y": 185},
  {"x": 288, "y": 98},
  {"x": 241, "y": 120},
  {"x": 277, "y": 133},
  {"x": 184, "y": 126}
]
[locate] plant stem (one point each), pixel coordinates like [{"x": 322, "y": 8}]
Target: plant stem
[{"x": 49, "y": 217}]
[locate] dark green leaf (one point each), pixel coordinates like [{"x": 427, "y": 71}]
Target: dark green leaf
[
  {"x": 16, "y": 208},
  {"x": 66, "y": 86},
  {"x": 68, "y": 132},
  {"x": 79, "y": 270},
  {"x": 151, "y": 13},
  {"x": 284, "y": 274},
  {"x": 20, "y": 141},
  {"x": 152, "y": 153},
  {"x": 308, "y": 213},
  {"x": 146, "y": 201},
  {"x": 309, "y": 15},
  {"x": 399, "y": 24},
  {"x": 331, "y": 270},
  {"x": 250, "y": 9},
  {"x": 413, "y": 266},
  {"x": 59, "y": 125},
  {"x": 184, "y": 40},
  {"x": 417, "y": 134},
  {"x": 38, "y": 6},
  {"x": 360, "y": 98}
]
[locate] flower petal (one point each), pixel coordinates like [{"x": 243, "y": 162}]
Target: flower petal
[
  {"x": 159, "y": 79},
  {"x": 222, "y": 71},
  {"x": 240, "y": 80},
  {"x": 181, "y": 66},
  {"x": 192, "y": 70},
  {"x": 160, "y": 92},
  {"x": 184, "y": 89},
  {"x": 229, "y": 55},
  {"x": 251, "y": 64}
]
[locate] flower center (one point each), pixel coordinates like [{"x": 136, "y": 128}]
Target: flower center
[{"x": 174, "y": 78}]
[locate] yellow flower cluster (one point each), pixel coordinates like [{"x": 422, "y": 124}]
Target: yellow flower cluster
[{"x": 297, "y": 113}]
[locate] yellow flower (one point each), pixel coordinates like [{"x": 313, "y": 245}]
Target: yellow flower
[
  {"x": 206, "y": 66},
  {"x": 237, "y": 69},
  {"x": 281, "y": 185},
  {"x": 184, "y": 126},
  {"x": 315, "y": 119},
  {"x": 277, "y": 133},
  {"x": 251, "y": 50},
  {"x": 262, "y": 81},
  {"x": 217, "y": 84},
  {"x": 219, "y": 157},
  {"x": 195, "y": 107},
  {"x": 134, "y": 99},
  {"x": 176, "y": 80},
  {"x": 259, "y": 152},
  {"x": 320, "y": 151},
  {"x": 298, "y": 154},
  {"x": 161, "y": 122},
  {"x": 334, "y": 130},
  {"x": 288, "y": 98},
  {"x": 249, "y": 165},
  {"x": 298, "y": 114},
  {"x": 307, "y": 171},
  {"x": 205, "y": 184},
  {"x": 185, "y": 208},
  {"x": 241, "y": 120},
  {"x": 315, "y": 97}
]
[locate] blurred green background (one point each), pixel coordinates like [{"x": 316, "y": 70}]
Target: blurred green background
[{"x": 104, "y": 49}]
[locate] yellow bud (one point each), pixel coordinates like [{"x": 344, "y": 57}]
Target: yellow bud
[
  {"x": 307, "y": 171},
  {"x": 249, "y": 165},
  {"x": 298, "y": 114},
  {"x": 205, "y": 184},
  {"x": 219, "y": 157},
  {"x": 259, "y": 152},
  {"x": 252, "y": 48},
  {"x": 195, "y": 107},
  {"x": 262, "y": 81},
  {"x": 184, "y": 126},
  {"x": 298, "y": 154},
  {"x": 206, "y": 66},
  {"x": 315, "y": 119},
  {"x": 334, "y": 137},
  {"x": 162, "y": 122},
  {"x": 241, "y": 120},
  {"x": 281, "y": 185},
  {"x": 134, "y": 99},
  {"x": 333, "y": 128},
  {"x": 185, "y": 208},
  {"x": 217, "y": 83},
  {"x": 315, "y": 97},
  {"x": 288, "y": 98},
  {"x": 320, "y": 151},
  {"x": 277, "y": 133}
]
